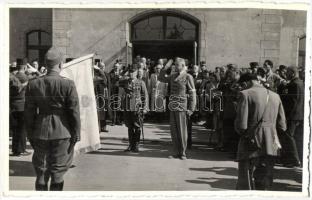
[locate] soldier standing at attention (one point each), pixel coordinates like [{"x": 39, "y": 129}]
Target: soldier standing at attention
[
  {"x": 53, "y": 123},
  {"x": 135, "y": 105},
  {"x": 182, "y": 102}
]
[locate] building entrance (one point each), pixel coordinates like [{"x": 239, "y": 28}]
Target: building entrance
[{"x": 164, "y": 34}]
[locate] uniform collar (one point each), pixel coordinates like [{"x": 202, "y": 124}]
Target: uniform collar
[
  {"x": 180, "y": 75},
  {"x": 53, "y": 73}
]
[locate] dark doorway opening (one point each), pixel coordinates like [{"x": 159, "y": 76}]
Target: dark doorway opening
[
  {"x": 164, "y": 34},
  {"x": 164, "y": 49}
]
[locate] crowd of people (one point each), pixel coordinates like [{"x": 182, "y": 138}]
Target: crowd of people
[
  {"x": 192, "y": 93},
  {"x": 189, "y": 94}
]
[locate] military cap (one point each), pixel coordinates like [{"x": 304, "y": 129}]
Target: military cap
[
  {"x": 253, "y": 65},
  {"x": 53, "y": 57}
]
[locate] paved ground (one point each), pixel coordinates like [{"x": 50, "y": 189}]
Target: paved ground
[{"x": 111, "y": 169}]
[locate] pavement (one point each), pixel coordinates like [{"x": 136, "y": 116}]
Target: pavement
[{"x": 111, "y": 169}]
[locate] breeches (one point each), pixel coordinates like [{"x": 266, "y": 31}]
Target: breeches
[
  {"x": 255, "y": 173},
  {"x": 133, "y": 121},
  {"x": 51, "y": 159},
  {"x": 178, "y": 129}
]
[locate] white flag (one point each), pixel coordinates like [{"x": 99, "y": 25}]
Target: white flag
[{"x": 80, "y": 71}]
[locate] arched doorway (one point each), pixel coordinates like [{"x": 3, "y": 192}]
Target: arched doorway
[{"x": 165, "y": 34}]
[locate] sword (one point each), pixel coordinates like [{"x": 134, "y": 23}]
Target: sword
[{"x": 141, "y": 124}]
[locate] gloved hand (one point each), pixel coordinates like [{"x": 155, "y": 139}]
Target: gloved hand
[{"x": 72, "y": 144}]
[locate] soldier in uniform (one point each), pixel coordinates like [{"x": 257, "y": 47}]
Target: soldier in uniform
[
  {"x": 53, "y": 123},
  {"x": 182, "y": 102},
  {"x": 135, "y": 105}
]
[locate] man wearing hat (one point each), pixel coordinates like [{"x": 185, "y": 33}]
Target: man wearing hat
[
  {"x": 53, "y": 123},
  {"x": 17, "y": 103},
  {"x": 260, "y": 115},
  {"x": 135, "y": 104},
  {"x": 253, "y": 67}
]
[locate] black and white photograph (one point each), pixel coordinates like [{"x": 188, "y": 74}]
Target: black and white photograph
[{"x": 157, "y": 99}]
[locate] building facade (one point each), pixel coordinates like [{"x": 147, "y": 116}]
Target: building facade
[{"x": 217, "y": 36}]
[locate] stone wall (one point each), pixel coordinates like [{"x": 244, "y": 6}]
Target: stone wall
[
  {"x": 21, "y": 22},
  {"x": 226, "y": 35}
]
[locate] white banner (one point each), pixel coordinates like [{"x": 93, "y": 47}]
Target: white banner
[{"x": 80, "y": 71}]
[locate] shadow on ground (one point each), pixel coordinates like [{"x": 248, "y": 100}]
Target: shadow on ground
[
  {"x": 21, "y": 168},
  {"x": 229, "y": 183}
]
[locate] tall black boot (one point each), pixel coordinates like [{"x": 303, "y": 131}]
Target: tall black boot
[
  {"x": 57, "y": 186},
  {"x": 130, "y": 138},
  {"x": 40, "y": 187},
  {"x": 136, "y": 139}
]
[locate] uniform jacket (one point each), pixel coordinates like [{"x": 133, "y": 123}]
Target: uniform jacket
[
  {"x": 294, "y": 100},
  {"x": 136, "y": 96},
  {"x": 18, "y": 100},
  {"x": 182, "y": 95},
  {"x": 102, "y": 90},
  {"x": 251, "y": 105},
  {"x": 52, "y": 108}
]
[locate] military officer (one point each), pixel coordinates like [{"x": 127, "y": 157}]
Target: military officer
[
  {"x": 53, "y": 123},
  {"x": 182, "y": 102},
  {"x": 135, "y": 105}
]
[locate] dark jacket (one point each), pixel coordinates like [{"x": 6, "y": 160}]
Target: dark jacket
[
  {"x": 18, "y": 99},
  {"x": 294, "y": 100},
  {"x": 251, "y": 105},
  {"x": 52, "y": 108}
]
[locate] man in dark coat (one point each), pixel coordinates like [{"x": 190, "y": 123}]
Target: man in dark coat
[
  {"x": 135, "y": 105},
  {"x": 256, "y": 158},
  {"x": 17, "y": 103},
  {"x": 294, "y": 109},
  {"x": 101, "y": 84},
  {"x": 115, "y": 99},
  {"x": 53, "y": 123},
  {"x": 182, "y": 102}
]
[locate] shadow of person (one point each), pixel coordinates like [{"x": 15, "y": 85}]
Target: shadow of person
[
  {"x": 216, "y": 183},
  {"x": 21, "y": 168}
]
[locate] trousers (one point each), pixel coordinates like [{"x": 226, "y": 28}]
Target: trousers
[
  {"x": 255, "y": 173},
  {"x": 292, "y": 143},
  {"x": 18, "y": 132},
  {"x": 178, "y": 129},
  {"x": 51, "y": 159}
]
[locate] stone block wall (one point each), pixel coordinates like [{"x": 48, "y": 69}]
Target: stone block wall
[{"x": 226, "y": 36}]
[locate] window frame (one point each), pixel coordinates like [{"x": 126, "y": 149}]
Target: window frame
[{"x": 164, "y": 16}]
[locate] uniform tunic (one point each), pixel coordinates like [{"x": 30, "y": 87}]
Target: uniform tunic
[
  {"x": 135, "y": 100},
  {"x": 52, "y": 120},
  {"x": 182, "y": 97}
]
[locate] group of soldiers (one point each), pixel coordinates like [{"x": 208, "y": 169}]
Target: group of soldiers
[{"x": 256, "y": 113}]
